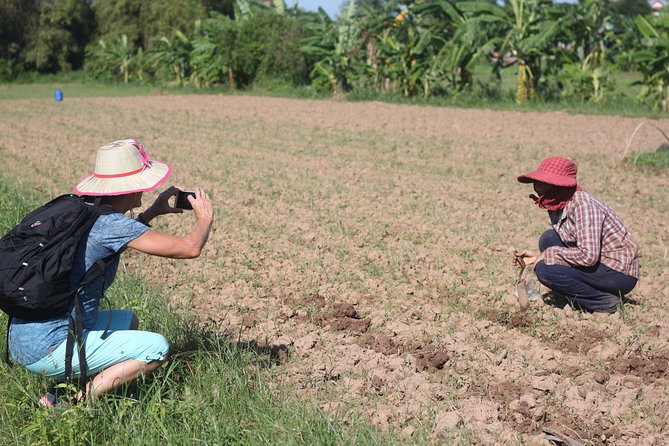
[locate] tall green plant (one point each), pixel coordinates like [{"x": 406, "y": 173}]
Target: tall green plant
[
  {"x": 172, "y": 56},
  {"x": 112, "y": 60},
  {"x": 239, "y": 51},
  {"x": 243, "y": 9},
  {"x": 58, "y": 44},
  {"x": 523, "y": 30},
  {"x": 279, "y": 7},
  {"x": 375, "y": 22},
  {"x": 213, "y": 55},
  {"x": 333, "y": 45},
  {"x": 405, "y": 50},
  {"x": 461, "y": 43},
  {"x": 653, "y": 60},
  {"x": 589, "y": 32},
  {"x": 143, "y": 21},
  {"x": 18, "y": 21},
  {"x": 208, "y": 68}
]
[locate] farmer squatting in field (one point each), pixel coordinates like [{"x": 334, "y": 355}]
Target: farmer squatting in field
[
  {"x": 588, "y": 255},
  {"x": 123, "y": 171}
]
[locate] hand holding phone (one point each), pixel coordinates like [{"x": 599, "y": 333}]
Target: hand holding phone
[{"x": 181, "y": 201}]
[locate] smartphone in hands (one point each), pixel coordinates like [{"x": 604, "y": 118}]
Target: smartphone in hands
[{"x": 181, "y": 201}]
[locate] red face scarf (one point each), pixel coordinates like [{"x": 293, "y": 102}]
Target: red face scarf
[{"x": 555, "y": 198}]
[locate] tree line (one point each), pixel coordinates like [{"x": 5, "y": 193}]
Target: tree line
[{"x": 411, "y": 48}]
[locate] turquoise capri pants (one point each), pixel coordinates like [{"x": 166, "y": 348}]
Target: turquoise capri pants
[{"x": 120, "y": 345}]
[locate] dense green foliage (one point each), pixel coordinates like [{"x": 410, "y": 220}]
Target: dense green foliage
[
  {"x": 415, "y": 48},
  {"x": 212, "y": 390},
  {"x": 653, "y": 61}
]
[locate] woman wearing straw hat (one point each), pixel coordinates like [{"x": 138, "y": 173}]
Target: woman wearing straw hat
[
  {"x": 588, "y": 255},
  {"x": 123, "y": 171}
]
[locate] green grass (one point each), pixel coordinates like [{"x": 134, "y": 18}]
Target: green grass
[
  {"x": 78, "y": 85},
  {"x": 500, "y": 97},
  {"x": 659, "y": 159},
  {"x": 213, "y": 390},
  {"x": 623, "y": 80},
  {"x": 45, "y": 89},
  {"x": 623, "y": 106},
  {"x": 73, "y": 89}
]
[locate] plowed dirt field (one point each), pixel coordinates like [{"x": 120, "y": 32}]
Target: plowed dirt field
[{"x": 371, "y": 246}]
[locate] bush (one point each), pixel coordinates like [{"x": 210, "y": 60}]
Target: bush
[
  {"x": 10, "y": 69},
  {"x": 238, "y": 52},
  {"x": 283, "y": 58},
  {"x": 269, "y": 45}
]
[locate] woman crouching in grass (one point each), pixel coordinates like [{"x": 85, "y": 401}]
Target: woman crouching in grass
[
  {"x": 123, "y": 171},
  {"x": 588, "y": 255}
]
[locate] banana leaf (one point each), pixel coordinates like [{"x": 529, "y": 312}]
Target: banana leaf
[{"x": 476, "y": 8}]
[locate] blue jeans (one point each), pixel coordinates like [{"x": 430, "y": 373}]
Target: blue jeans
[{"x": 595, "y": 288}]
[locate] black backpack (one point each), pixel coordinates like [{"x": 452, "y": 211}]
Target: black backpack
[{"x": 36, "y": 260}]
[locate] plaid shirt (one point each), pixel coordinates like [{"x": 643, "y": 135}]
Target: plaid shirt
[{"x": 593, "y": 233}]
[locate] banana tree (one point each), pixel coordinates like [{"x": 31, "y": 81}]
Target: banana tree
[
  {"x": 400, "y": 48},
  {"x": 242, "y": 9},
  {"x": 172, "y": 56},
  {"x": 207, "y": 61},
  {"x": 137, "y": 64},
  {"x": 334, "y": 44},
  {"x": 245, "y": 9},
  {"x": 375, "y": 23},
  {"x": 407, "y": 49},
  {"x": 589, "y": 31},
  {"x": 279, "y": 7},
  {"x": 114, "y": 57},
  {"x": 653, "y": 60},
  {"x": 522, "y": 29},
  {"x": 584, "y": 79},
  {"x": 459, "y": 45}
]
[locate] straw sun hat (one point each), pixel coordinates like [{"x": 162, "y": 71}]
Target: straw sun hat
[{"x": 123, "y": 167}]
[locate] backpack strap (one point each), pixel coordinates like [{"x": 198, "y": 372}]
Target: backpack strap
[
  {"x": 98, "y": 269},
  {"x": 79, "y": 335},
  {"x": 75, "y": 328},
  {"x": 7, "y": 359},
  {"x": 105, "y": 333},
  {"x": 69, "y": 347},
  {"x": 95, "y": 271},
  {"x": 75, "y": 332}
]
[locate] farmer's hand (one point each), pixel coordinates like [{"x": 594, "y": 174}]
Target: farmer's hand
[
  {"x": 161, "y": 205},
  {"x": 530, "y": 257}
]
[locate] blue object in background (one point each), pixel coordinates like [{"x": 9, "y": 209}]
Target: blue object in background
[{"x": 58, "y": 95}]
